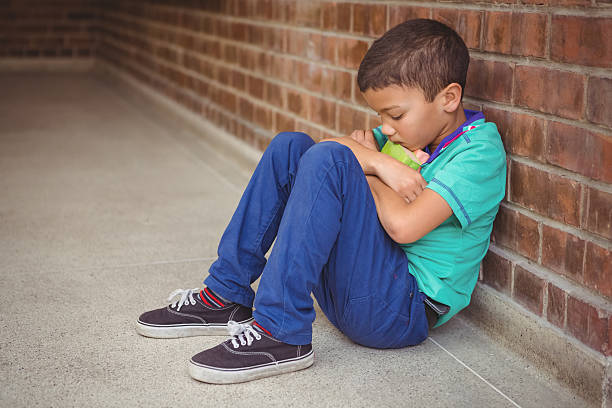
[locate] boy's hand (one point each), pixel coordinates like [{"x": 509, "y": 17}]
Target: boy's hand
[
  {"x": 405, "y": 181},
  {"x": 421, "y": 156},
  {"x": 365, "y": 138}
]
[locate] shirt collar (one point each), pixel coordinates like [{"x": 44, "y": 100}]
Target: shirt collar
[{"x": 472, "y": 116}]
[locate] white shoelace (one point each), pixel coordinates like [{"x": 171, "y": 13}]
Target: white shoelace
[
  {"x": 242, "y": 333},
  {"x": 186, "y": 297}
]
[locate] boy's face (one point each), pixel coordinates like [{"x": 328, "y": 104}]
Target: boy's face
[{"x": 407, "y": 118}]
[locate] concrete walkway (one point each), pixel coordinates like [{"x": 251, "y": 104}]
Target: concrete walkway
[{"x": 106, "y": 206}]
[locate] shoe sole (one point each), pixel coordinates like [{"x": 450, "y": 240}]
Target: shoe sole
[
  {"x": 183, "y": 330},
  {"x": 214, "y": 375}
]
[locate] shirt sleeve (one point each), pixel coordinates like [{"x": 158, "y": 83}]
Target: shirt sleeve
[{"x": 473, "y": 181}]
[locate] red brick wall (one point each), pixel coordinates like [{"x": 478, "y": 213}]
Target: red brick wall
[{"x": 47, "y": 28}]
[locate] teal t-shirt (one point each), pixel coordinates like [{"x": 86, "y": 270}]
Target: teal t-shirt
[{"x": 469, "y": 171}]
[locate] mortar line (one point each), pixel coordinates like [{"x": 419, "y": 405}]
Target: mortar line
[{"x": 475, "y": 373}]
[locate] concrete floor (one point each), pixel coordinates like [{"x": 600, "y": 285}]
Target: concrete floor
[{"x": 106, "y": 206}]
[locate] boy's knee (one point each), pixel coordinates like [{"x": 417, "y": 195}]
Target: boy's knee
[
  {"x": 328, "y": 151},
  {"x": 287, "y": 140}
]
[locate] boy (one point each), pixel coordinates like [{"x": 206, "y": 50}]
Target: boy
[{"x": 383, "y": 248}]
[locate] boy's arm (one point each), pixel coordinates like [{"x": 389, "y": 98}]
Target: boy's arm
[
  {"x": 407, "y": 182},
  {"x": 408, "y": 222}
]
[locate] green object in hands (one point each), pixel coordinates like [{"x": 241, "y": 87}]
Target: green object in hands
[
  {"x": 399, "y": 152},
  {"x": 396, "y": 151},
  {"x": 402, "y": 154}
]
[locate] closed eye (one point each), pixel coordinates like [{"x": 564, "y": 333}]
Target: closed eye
[{"x": 397, "y": 117}]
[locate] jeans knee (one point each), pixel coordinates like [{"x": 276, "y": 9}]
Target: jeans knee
[
  {"x": 291, "y": 140},
  {"x": 326, "y": 152}
]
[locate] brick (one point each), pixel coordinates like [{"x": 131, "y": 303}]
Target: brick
[
  {"x": 342, "y": 83},
  {"x": 551, "y": 91},
  {"x": 369, "y": 19},
  {"x": 288, "y": 11},
  {"x": 344, "y": 12},
  {"x": 580, "y": 150},
  {"x": 529, "y": 290},
  {"x": 467, "y": 23},
  {"x": 323, "y": 112},
  {"x": 581, "y": 40},
  {"x": 296, "y": 42},
  {"x": 598, "y": 269},
  {"x": 297, "y": 102},
  {"x": 238, "y": 80},
  {"x": 496, "y": 272},
  {"x": 490, "y": 80},
  {"x": 522, "y": 134},
  {"x": 589, "y": 324},
  {"x": 274, "y": 39},
  {"x": 263, "y": 117},
  {"x": 308, "y": 14},
  {"x": 246, "y": 59},
  {"x": 504, "y": 228},
  {"x": 598, "y": 217},
  {"x": 314, "y": 47},
  {"x": 555, "y": 311},
  {"x": 577, "y": 318},
  {"x": 245, "y": 109},
  {"x": 517, "y": 232},
  {"x": 563, "y": 252},
  {"x": 350, "y": 119},
  {"x": 284, "y": 123},
  {"x": 528, "y": 237},
  {"x": 310, "y": 76},
  {"x": 263, "y": 64},
  {"x": 399, "y": 14},
  {"x": 329, "y": 16},
  {"x": 228, "y": 101},
  {"x": 548, "y": 194},
  {"x": 329, "y": 49},
  {"x": 351, "y": 52},
  {"x": 515, "y": 33},
  {"x": 256, "y": 87},
  {"x": 599, "y": 95},
  {"x": 275, "y": 95},
  {"x": 282, "y": 69}
]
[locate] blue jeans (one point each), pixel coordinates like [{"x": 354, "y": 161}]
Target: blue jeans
[{"x": 315, "y": 200}]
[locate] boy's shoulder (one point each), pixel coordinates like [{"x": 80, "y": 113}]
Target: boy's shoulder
[{"x": 480, "y": 143}]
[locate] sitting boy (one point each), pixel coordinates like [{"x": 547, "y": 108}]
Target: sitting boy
[{"x": 384, "y": 248}]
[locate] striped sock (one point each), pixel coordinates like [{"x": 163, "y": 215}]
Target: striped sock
[
  {"x": 213, "y": 300},
  {"x": 261, "y": 329}
]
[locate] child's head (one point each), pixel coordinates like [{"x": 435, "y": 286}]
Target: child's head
[{"x": 420, "y": 68}]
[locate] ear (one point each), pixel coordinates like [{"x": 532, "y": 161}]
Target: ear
[{"x": 450, "y": 97}]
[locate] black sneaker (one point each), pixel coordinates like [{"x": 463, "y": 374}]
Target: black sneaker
[
  {"x": 190, "y": 316},
  {"x": 250, "y": 354}
]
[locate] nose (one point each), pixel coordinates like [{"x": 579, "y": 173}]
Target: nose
[{"x": 387, "y": 129}]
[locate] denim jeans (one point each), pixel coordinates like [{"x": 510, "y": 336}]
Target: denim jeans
[{"x": 315, "y": 200}]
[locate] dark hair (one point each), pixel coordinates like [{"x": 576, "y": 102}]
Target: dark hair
[{"x": 416, "y": 53}]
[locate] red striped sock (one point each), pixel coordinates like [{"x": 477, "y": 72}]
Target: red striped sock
[
  {"x": 211, "y": 299},
  {"x": 261, "y": 327}
]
